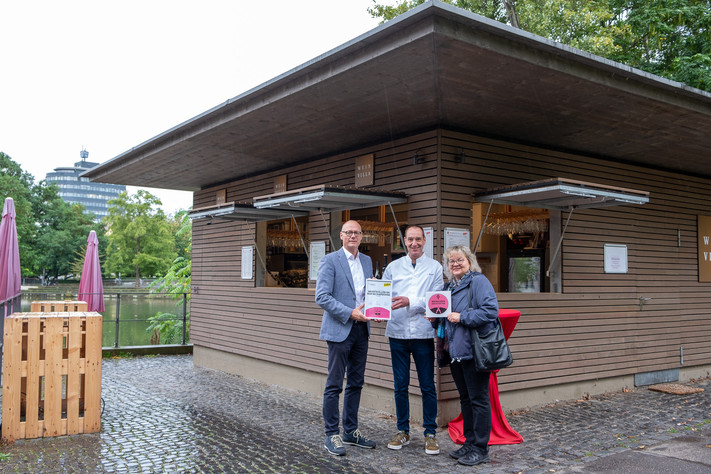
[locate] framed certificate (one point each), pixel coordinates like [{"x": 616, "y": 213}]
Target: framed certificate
[
  {"x": 438, "y": 304},
  {"x": 378, "y": 299}
]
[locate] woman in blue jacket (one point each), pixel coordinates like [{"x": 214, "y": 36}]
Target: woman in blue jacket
[{"x": 474, "y": 305}]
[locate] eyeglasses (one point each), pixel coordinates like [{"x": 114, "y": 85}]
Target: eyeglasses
[
  {"x": 459, "y": 261},
  {"x": 351, "y": 233}
]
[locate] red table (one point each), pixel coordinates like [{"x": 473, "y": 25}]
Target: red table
[{"x": 501, "y": 432}]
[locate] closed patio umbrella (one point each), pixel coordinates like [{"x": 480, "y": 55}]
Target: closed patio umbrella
[
  {"x": 10, "y": 283},
  {"x": 91, "y": 287}
]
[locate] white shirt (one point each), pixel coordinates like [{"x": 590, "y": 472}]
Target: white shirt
[
  {"x": 358, "y": 276},
  {"x": 409, "y": 322}
]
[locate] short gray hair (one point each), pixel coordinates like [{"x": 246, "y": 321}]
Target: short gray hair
[{"x": 467, "y": 253}]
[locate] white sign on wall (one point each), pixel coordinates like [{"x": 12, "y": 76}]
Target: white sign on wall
[
  {"x": 454, "y": 236},
  {"x": 247, "y": 262},
  {"x": 316, "y": 252},
  {"x": 429, "y": 241},
  {"x": 615, "y": 258}
]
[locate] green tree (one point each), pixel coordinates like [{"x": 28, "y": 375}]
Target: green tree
[
  {"x": 50, "y": 231},
  {"x": 18, "y": 185},
  {"x": 62, "y": 230},
  {"x": 164, "y": 326},
  {"x": 670, "y": 38},
  {"x": 139, "y": 236}
]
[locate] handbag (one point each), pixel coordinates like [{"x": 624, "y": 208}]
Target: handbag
[{"x": 491, "y": 351}]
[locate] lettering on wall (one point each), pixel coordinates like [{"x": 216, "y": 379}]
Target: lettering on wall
[
  {"x": 220, "y": 196},
  {"x": 280, "y": 183},
  {"x": 364, "y": 170},
  {"x": 704, "y": 230}
]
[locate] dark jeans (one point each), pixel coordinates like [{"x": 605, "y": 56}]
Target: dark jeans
[
  {"x": 422, "y": 351},
  {"x": 473, "y": 389},
  {"x": 345, "y": 358}
]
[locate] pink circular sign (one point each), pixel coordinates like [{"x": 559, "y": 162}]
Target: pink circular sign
[{"x": 438, "y": 304}]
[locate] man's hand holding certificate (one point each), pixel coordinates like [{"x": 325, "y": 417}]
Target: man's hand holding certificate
[{"x": 378, "y": 297}]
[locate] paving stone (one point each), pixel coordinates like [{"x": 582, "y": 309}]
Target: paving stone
[{"x": 161, "y": 414}]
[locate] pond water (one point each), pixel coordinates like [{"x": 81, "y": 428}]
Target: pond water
[{"x": 133, "y": 318}]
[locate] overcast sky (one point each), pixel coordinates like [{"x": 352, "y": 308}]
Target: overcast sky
[{"x": 107, "y": 76}]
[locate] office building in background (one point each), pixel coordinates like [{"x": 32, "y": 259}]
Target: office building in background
[{"x": 73, "y": 189}]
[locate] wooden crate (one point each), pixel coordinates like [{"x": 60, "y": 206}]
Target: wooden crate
[
  {"x": 51, "y": 374},
  {"x": 57, "y": 306}
]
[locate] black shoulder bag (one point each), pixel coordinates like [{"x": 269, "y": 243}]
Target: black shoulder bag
[{"x": 491, "y": 352}]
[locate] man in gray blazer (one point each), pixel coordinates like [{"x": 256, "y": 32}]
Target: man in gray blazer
[{"x": 340, "y": 291}]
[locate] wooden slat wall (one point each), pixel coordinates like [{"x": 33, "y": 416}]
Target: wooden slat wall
[
  {"x": 282, "y": 324},
  {"x": 594, "y": 329}
]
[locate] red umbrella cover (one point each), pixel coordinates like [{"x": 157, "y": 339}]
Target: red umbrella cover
[
  {"x": 10, "y": 282},
  {"x": 91, "y": 287}
]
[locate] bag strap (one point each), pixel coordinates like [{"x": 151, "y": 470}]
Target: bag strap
[
  {"x": 471, "y": 297},
  {"x": 471, "y": 292}
]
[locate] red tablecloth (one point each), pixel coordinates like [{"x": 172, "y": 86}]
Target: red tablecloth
[{"x": 501, "y": 432}]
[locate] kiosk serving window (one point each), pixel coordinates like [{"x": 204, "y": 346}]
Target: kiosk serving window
[
  {"x": 335, "y": 206},
  {"x": 286, "y": 257},
  {"x": 520, "y": 232},
  {"x": 281, "y": 227},
  {"x": 514, "y": 248}
]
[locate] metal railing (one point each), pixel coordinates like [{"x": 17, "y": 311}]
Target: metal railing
[
  {"x": 11, "y": 305},
  {"x": 113, "y": 315},
  {"x": 183, "y": 319}
]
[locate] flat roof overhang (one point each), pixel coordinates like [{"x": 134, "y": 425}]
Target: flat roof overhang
[
  {"x": 434, "y": 66},
  {"x": 562, "y": 194}
]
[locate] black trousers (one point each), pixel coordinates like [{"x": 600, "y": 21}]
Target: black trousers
[
  {"x": 473, "y": 390},
  {"x": 345, "y": 359}
]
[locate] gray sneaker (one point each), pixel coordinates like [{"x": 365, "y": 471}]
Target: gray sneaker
[
  {"x": 334, "y": 445},
  {"x": 357, "y": 439},
  {"x": 399, "y": 440},
  {"x": 461, "y": 452},
  {"x": 473, "y": 458}
]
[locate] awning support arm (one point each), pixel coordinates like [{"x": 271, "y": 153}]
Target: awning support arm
[
  {"x": 397, "y": 226},
  {"x": 560, "y": 242},
  {"x": 328, "y": 227},
  {"x": 261, "y": 260},
  {"x": 301, "y": 237},
  {"x": 483, "y": 224}
]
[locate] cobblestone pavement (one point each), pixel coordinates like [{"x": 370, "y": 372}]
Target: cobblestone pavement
[{"x": 163, "y": 415}]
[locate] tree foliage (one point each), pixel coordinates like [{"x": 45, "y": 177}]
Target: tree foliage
[
  {"x": 62, "y": 230},
  {"x": 669, "y": 38},
  {"x": 139, "y": 236},
  {"x": 177, "y": 280},
  {"x": 49, "y": 231},
  {"x": 165, "y": 327},
  {"x": 18, "y": 184}
]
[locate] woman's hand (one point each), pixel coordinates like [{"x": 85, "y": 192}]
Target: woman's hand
[{"x": 454, "y": 317}]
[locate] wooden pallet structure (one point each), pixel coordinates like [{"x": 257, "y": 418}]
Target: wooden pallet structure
[
  {"x": 51, "y": 374},
  {"x": 58, "y": 306}
]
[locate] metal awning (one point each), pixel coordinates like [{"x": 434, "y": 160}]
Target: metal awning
[
  {"x": 243, "y": 212},
  {"x": 328, "y": 199},
  {"x": 562, "y": 194}
]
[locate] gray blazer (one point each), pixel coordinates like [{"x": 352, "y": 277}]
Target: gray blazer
[{"x": 335, "y": 294}]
